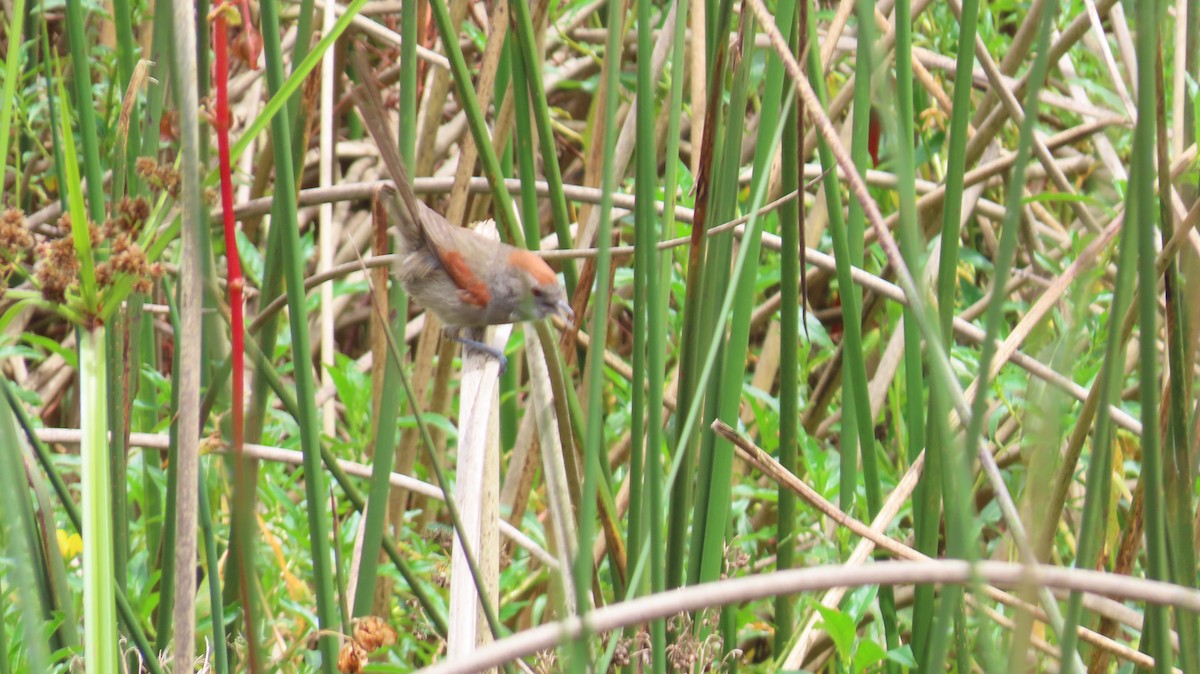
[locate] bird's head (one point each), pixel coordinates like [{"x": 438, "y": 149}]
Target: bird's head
[{"x": 542, "y": 294}]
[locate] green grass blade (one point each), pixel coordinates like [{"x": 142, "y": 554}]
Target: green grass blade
[
  {"x": 791, "y": 219},
  {"x": 593, "y": 443},
  {"x": 66, "y": 498},
  {"x": 212, "y": 562},
  {"x": 1098, "y": 480},
  {"x": 381, "y": 472},
  {"x": 293, "y": 268},
  {"x": 1003, "y": 265},
  {"x": 79, "y": 218},
  {"x": 645, "y": 269},
  {"x": 526, "y": 162},
  {"x": 81, "y": 62},
  {"x": 20, "y": 540},
  {"x": 694, "y": 326},
  {"x": 526, "y": 55},
  {"x": 853, "y": 255},
  {"x": 928, "y": 493},
  {"x": 910, "y": 233},
  {"x": 12, "y": 65},
  {"x": 714, "y": 479},
  {"x": 1141, "y": 208},
  {"x": 1179, "y": 473},
  {"x": 658, "y": 292}
]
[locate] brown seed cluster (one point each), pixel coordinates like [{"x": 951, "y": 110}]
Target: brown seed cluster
[
  {"x": 628, "y": 649},
  {"x": 736, "y": 559},
  {"x": 15, "y": 243},
  {"x": 373, "y": 633},
  {"x": 634, "y": 650},
  {"x": 129, "y": 217},
  {"x": 57, "y": 267},
  {"x": 160, "y": 177},
  {"x": 118, "y": 255},
  {"x": 683, "y": 652},
  {"x": 125, "y": 255},
  {"x": 351, "y": 658},
  {"x": 370, "y": 634},
  {"x": 688, "y": 653},
  {"x": 621, "y": 657},
  {"x": 15, "y": 239}
]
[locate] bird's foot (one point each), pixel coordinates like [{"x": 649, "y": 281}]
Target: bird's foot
[{"x": 485, "y": 348}]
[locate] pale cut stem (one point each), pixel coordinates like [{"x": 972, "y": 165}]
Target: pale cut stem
[
  {"x": 329, "y": 236},
  {"x": 99, "y": 599}
]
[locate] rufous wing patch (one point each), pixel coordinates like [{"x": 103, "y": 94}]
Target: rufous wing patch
[
  {"x": 471, "y": 288},
  {"x": 536, "y": 266}
]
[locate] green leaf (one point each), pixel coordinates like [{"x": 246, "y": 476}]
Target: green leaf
[
  {"x": 79, "y": 219},
  {"x": 354, "y": 390},
  {"x": 18, "y": 351},
  {"x": 841, "y": 629},
  {"x": 52, "y": 346},
  {"x": 866, "y": 654},
  {"x": 1057, "y": 197},
  {"x": 438, "y": 421},
  {"x": 902, "y": 656}
]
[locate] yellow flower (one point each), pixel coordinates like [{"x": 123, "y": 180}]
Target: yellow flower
[{"x": 71, "y": 545}]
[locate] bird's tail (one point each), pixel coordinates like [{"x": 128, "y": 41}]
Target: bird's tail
[{"x": 406, "y": 209}]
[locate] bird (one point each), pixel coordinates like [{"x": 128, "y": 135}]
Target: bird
[{"x": 463, "y": 277}]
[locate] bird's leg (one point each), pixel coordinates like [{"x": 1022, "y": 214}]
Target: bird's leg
[{"x": 478, "y": 345}]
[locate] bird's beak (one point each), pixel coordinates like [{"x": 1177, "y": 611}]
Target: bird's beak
[{"x": 565, "y": 311}]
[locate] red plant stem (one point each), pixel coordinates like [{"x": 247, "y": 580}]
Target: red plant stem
[{"x": 236, "y": 284}]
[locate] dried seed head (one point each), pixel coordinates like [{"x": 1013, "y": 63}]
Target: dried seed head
[
  {"x": 57, "y": 268},
  {"x": 145, "y": 167},
  {"x": 374, "y": 633},
  {"x": 441, "y": 575},
  {"x": 169, "y": 180},
  {"x": 622, "y": 653},
  {"x": 681, "y": 655},
  {"x": 544, "y": 662},
  {"x": 131, "y": 215},
  {"x": 351, "y": 658},
  {"x": 128, "y": 258},
  {"x": 104, "y": 274},
  {"x": 15, "y": 239},
  {"x": 736, "y": 558}
]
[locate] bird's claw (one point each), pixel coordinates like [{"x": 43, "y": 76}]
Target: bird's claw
[{"x": 485, "y": 348}]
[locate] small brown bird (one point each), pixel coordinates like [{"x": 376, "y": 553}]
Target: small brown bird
[
  {"x": 465, "y": 278},
  {"x": 470, "y": 280}
]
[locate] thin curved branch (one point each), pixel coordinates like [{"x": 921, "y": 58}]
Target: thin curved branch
[
  {"x": 293, "y": 457},
  {"x": 796, "y": 581}
]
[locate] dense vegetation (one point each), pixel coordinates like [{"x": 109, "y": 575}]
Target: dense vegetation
[{"x": 883, "y": 348}]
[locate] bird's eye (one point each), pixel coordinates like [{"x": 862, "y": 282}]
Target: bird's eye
[{"x": 537, "y": 291}]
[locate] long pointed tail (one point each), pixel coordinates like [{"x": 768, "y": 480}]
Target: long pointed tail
[{"x": 408, "y": 211}]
